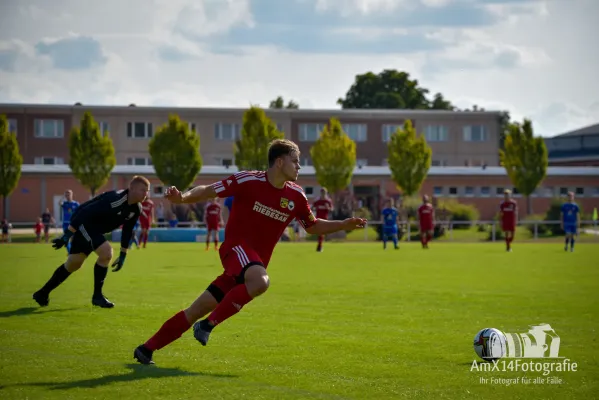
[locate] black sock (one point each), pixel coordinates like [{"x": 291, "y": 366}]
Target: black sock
[
  {"x": 58, "y": 277},
  {"x": 99, "y": 276},
  {"x": 206, "y": 325}
]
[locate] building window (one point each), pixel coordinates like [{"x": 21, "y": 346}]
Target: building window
[
  {"x": 475, "y": 133},
  {"x": 435, "y": 163},
  {"x": 139, "y": 161},
  {"x": 12, "y": 125},
  {"x": 388, "y": 130},
  {"x": 485, "y": 191},
  {"x": 191, "y": 126},
  {"x": 279, "y": 127},
  {"x": 436, "y": 133},
  {"x": 310, "y": 132},
  {"x": 499, "y": 191},
  {"x": 227, "y": 131},
  {"x": 104, "y": 128},
  {"x": 309, "y": 190},
  {"x": 305, "y": 161},
  {"x": 563, "y": 191},
  {"x": 225, "y": 162},
  {"x": 361, "y": 162},
  {"x": 547, "y": 192},
  {"x": 438, "y": 191},
  {"x": 579, "y": 191},
  {"x": 49, "y": 160},
  {"x": 356, "y": 132},
  {"x": 157, "y": 191},
  {"x": 469, "y": 191},
  {"x": 596, "y": 191},
  {"x": 453, "y": 191},
  {"x": 139, "y": 130},
  {"x": 48, "y": 128}
]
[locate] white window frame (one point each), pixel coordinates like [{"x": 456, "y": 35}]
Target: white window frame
[
  {"x": 104, "y": 127},
  {"x": 303, "y": 131},
  {"x": 466, "y": 194},
  {"x": 579, "y": 194},
  {"x": 499, "y": 191},
  {"x": 235, "y": 129},
  {"x": 55, "y": 160},
  {"x": 436, "y": 133},
  {"x": 148, "y": 130},
  {"x": 483, "y": 133},
  {"x": 488, "y": 194},
  {"x": 441, "y": 192},
  {"x": 309, "y": 191},
  {"x": 305, "y": 162},
  {"x": 132, "y": 160},
  {"x": 57, "y": 128},
  {"x": 221, "y": 161},
  {"x": 595, "y": 191},
  {"x": 13, "y": 126},
  {"x": 389, "y": 129},
  {"x": 356, "y": 132},
  {"x": 457, "y": 191}
]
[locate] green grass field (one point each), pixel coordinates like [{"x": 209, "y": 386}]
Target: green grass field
[{"x": 353, "y": 322}]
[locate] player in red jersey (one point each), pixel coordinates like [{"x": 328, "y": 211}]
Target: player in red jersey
[
  {"x": 323, "y": 206},
  {"x": 508, "y": 213},
  {"x": 145, "y": 220},
  {"x": 213, "y": 220},
  {"x": 426, "y": 219},
  {"x": 265, "y": 203}
]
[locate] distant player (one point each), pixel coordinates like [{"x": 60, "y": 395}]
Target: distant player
[
  {"x": 390, "y": 228},
  {"x": 508, "y": 214},
  {"x": 265, "y": 203},
  {"x": 134, "y": 235},
  {"x": 145, "y": 221},
  {"x": 47, "y": 220},
  {"x": 426, "y": 221},
  {"x": 38, "y": 228},
  {"x": 92, "y": 220},
  {"x": 213, "y": 221},
  {"x": 5, "y": 230},
  {"x": 323, "y": 206},
  {"x": 570, "y": 220},
  {"x": 68, "y": 207}
]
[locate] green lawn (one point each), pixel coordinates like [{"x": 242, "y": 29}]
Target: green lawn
[{"x": 353, "y": 322}]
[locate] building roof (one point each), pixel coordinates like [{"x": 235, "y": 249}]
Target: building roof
[
  {"x": 208, "y": 170},
  {"x": 587, "y": 130},
  {"x": 291, "y": 112}
]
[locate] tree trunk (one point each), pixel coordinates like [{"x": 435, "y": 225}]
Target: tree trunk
[
  {"x": 4, "y": 206},
  {"x": 529, "y": 205}
]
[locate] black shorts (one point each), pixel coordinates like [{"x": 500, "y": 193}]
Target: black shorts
[{"x": 86, "y": 242}]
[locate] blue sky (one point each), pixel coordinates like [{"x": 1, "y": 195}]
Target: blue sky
[{"x": 535, "y": 58}]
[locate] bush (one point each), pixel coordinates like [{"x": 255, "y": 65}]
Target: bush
[
  {"x": 554, "y": 213},
  {"x": 542, "y": 229},
  {"x": 461, "y": 213}
]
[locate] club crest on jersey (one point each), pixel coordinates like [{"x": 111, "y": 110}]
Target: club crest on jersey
[
  {"x": 284, "y": 202},
  {"x": 311, "y": 217}
]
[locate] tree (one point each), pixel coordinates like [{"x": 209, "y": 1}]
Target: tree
[
  {"x": 409, "y": 159},
  {"x": 91, "y": 154},
  {"x": 390, "y": 89},
  {"x": 334, "y": 157},
  {"x": 10, "y": 162},
  {"x": 175, "y": 152},
  {"x": 251, "y": 150},
  {"x": 504, "y": 127},
  {"x": 524, "y": 159},
  {"x": 279, "y": 102}
]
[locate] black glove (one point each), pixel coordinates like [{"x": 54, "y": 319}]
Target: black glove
[
  {"x": 118, "y": 264},
  {"x": 62, "y": 241}
]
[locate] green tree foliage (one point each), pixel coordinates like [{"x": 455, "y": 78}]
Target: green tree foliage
[
  {"x": 175, "y": 151},
  {"x": 524, "y": 159},
  {"x": 504, "y": 127},
  {"x": 251, "y": 150},
  {"x": 334, "y": 157},
  {"x": 10, "y": 161},
  {"x": 391, "y": 89},
  {"x": 91, "y": 154},
  {"x": 409, "y": 158},
  {"x": 279, "y": 102}
]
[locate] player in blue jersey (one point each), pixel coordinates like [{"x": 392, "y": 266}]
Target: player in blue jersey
[
  {"x": 68, "y": 208},
  {"x": 390, "y": 230},
  {"x": 570, "y": 220},
  {"x": 228, "y": 204}
]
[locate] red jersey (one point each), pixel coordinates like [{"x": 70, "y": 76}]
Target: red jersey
[
  {"x": 425, "y": 214},
  {"x": 212, "y": 212},
  {"x": 261, "y": 212},
  {"x": 509, "y": 209},
  {"x": 322, "y": 207},
  {"x": 39, "y": 227},
  {"x": 146, "y": 210}
]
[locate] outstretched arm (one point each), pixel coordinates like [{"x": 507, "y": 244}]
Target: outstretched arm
[
  {"x": 196, "y": 195},
  {"x": 324, "y": 227}
]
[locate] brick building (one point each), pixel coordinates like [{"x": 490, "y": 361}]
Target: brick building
[{"x": 42, "y": 186}]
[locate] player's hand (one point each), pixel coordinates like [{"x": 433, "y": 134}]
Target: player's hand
[
  {"x": 354, "y": 223},
  {"x": 62, "y": 241},
  {"x": 173, "y": 195},
  {"x": 118, "y": 264}
]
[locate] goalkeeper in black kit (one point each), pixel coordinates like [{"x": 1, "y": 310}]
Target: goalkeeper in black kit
[{"x": 90, "y": 222}]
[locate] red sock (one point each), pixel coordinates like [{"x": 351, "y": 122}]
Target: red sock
[
  {"x": 230, "y": 305},
  {"x": 146, "y": 237},
  {"x": 215, "y": 242},
  {"x": 320, "y": 239},
  {"x": 429, "y": 237},
  {"x": 170, "y": 331},
  {"x": 423, "y": 238},
  {"x": 208, "y": 241}
]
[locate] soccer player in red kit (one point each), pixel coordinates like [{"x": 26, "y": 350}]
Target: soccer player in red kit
[
  {"x": 213, "y": 219},
  {"x": 426, "y": 219},
  {"x": 508, "y": 213},
  {"x": 145, "y": 220},
  {"x": 323, "y": 206},
  {"x": 265, "y": 203}
]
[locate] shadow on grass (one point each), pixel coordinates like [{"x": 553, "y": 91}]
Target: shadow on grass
[
  {"x": 33, "y": 310},
  {"x": 138, "y": 372}
]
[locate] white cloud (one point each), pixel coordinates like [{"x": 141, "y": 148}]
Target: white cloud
[{"x": 539, "y": 61}]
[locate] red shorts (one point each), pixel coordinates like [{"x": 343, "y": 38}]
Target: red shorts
[
  {"x": 234, "y": 261},
  {"x": 144, "y": 223},
  {"x": 508, "y": 227}
]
